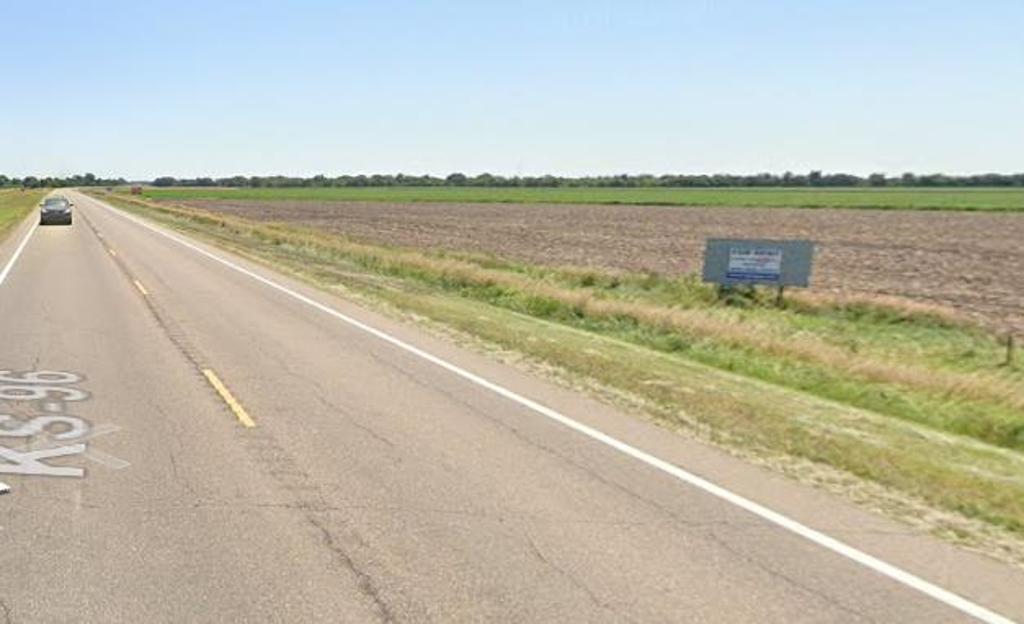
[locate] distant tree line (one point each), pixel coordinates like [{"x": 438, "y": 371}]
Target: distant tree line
[
  {"x": 87, "y": 179},
  {"x": 785, "y": 180}
]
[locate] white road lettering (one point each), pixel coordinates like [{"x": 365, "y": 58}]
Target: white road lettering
[
  {"x": 29, "y": 463},
  {"x": 76, "y": 427},
  {"x": 10, "y": 392},
  {"x": 46, "y": 436},
  {"x": 38, "y": 377}
]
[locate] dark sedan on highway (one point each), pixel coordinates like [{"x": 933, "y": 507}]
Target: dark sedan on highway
[{"x": 55, "y": 210}]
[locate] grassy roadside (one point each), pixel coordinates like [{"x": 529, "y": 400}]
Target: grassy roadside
[
  {"x": 982, "y": 199},
  {"x": 898, "y": 396},
  {"x": 14, "y": 205}
]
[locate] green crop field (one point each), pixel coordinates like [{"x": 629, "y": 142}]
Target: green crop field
[{"x": 987, "y": 199}]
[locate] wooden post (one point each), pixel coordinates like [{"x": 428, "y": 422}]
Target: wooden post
[
  {"x": 778, "y": 296},
  {"x": 1010, "y": 347}
]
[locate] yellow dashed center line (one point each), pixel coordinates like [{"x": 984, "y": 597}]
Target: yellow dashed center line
[
  {"x": 142, "y": 289},
  {"x": 222, "y": 390}
]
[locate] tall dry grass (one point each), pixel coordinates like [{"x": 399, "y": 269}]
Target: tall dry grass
[
  {"x": 697, "y": 323},
  {"x": 709, "y": 324}
]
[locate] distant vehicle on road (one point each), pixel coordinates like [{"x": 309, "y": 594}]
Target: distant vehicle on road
[{"x": 55, "y": 210}]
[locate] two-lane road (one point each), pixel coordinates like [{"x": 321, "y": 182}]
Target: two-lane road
[{"x": 388, "y": 475}]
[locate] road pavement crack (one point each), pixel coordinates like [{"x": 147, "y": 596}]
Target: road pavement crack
[
  {"x": 307, "y": 498},
  {"x": 572, "y": 579},
  {"x": 651, "y": 503},
  {"x": 364, "y": 581},
  {"x": 552, "y": 452},
  {"x": 337, "y": 409},
  {"x": 785, "y": 578},
  {"x": 321, "y": 396},
  {"x": 180, "y": 479}
]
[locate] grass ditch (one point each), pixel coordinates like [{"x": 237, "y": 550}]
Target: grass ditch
[
  {"x": 905, "y": 396},
  {"x": 14, "y": 205}
]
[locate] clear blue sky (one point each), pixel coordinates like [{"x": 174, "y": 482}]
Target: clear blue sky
[{"x": 145, "y": 88}]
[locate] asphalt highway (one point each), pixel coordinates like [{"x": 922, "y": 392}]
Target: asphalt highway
[{"x": 213, "y": 441}]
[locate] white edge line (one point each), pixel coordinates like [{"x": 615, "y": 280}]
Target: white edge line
[
  {"x": 17, "y": 253},
  {"x": 886, "y": 569},
  {"x": 4, "y": 488}
]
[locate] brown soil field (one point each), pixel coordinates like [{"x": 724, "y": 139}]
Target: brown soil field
[{"x": 971, "y": 262}]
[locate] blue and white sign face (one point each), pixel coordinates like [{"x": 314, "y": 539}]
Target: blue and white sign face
[
  {"x": 754, "y": 264},
  {"x": 766, "y": 262}
]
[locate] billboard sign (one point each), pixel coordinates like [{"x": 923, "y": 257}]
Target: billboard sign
[{"x": 768, "y": 262}]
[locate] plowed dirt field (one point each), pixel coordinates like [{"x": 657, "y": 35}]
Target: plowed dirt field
[{"x": 972, "y": 262}]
